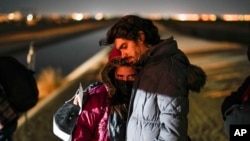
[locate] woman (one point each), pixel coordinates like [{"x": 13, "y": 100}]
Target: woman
[{"x": 104, "y": 115}]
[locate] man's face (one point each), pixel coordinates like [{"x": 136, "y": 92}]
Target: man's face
[{"x": 129, "y": 49}]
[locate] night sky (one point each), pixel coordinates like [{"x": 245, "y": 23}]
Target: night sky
[{"x": 111, "y": 7}]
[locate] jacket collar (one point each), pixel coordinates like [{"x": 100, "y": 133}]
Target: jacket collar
[{"x": 166, "y": 48}]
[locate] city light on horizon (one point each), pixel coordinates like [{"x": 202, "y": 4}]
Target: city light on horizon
[
  {"x": 78, "y": 16},
  {"x": 110, "y": 7}
]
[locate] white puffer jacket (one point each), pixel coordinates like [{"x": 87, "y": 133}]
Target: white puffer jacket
[{"x": 159, "y": 105}]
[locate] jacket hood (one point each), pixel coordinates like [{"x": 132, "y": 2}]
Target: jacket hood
[{"x": 196, "y": 77}]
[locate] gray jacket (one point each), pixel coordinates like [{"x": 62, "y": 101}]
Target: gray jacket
[{"x": 159, "y": 104}]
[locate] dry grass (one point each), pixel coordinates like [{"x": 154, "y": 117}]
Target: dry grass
[{"x": 48, "y": 80}]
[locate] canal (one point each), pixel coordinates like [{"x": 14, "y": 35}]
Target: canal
[{"x": 65, "y": 55}]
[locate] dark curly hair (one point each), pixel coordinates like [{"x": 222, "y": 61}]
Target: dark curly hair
[{"x": 128, "y": 27}]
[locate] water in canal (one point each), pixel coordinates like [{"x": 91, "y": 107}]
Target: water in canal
[{"x": 65, "y": 55}]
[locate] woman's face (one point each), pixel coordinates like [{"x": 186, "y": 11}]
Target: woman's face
[{"x": 125, "y": 73}]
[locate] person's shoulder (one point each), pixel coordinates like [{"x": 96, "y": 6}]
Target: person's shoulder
[
  {"x": 248, "y": 79},
  {"x": 96, "y": 98},
  {"x": 97, "y": 88},
  {"x": 246, "y": 82}
]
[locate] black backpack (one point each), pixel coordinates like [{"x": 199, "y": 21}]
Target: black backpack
[{"x": 19, "y": 83}]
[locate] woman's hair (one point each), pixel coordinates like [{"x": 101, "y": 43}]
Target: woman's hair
[
  {"x": 108, "y": 77},
  {"x": 128, "y": 27},
  {"x": 108, "y": 73}
]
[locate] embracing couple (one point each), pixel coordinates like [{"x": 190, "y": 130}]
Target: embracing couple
[{"x": 144, "y": 91}]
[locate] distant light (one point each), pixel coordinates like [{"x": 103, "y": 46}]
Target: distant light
[
  {"x": 77, "y": 16},
  {"x": 186, "y": 17},
  {"x": 11, "y": 16},
  {"x": 30, "y": 17},
  {"x": 213, "y": 17},
  {"x": 235, "y": 17},
  {"x": 247, "y": 17},
  {"x": 232, "y": 17},
  {"x": 99, "y": 16},
  {"x": 182, "y": 17},
  {"x": 30, "y": 20},
  {"x": 204, "y": 17},
  {"x": 208, "y": 17}
]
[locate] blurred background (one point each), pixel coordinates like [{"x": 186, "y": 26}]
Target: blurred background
[{"x": 60, "y": 38}]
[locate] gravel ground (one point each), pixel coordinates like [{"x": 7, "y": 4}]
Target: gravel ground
[{"x": 226, "y": 66}]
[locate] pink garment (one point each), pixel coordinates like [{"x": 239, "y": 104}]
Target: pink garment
[
  {"x": 113, "y": 54},
  {"x": 92, "y": 123}
]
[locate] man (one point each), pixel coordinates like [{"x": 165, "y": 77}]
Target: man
[{"x": 159, "y": 103}]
